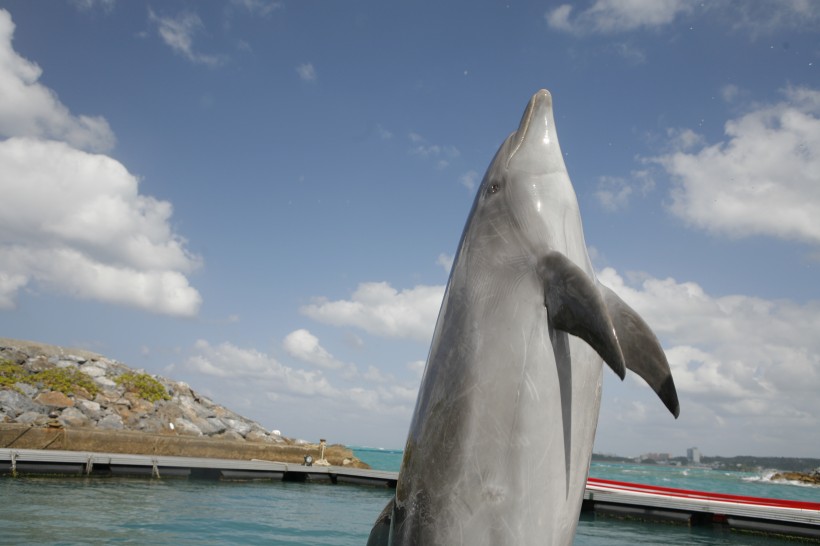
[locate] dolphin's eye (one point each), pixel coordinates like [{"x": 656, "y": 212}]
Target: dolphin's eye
[{"x": 494, "y": 187}]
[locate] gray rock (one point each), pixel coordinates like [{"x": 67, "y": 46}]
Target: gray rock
[
  {"x": 75, "y": 358},
  {"x": 209, "y": 426},
  {"x": 105, "y": 383},
  {"x": 111, "y": 422},
  {"x": 218, "y": 425},
  {"x": 206, "y": 403},
  {"x": 89, "y": 405},
  {"x": 225, "y": 413},
  {"x": 32, "y": 418},
  {"x": 229, "y": 435},
  {"x": 93, "y": 370},
  {"x": 12, "y": 403},
  {"x": 259, "y": 436},
  {"x": 15, "y": 355},
  {"x": 38, "y": 364},
  {"x": 258, "y": 428},
  {"x": 72, "y": 417},
  {"x": 90, "y": 409},
  {"x": 240, "y": 427},
  {"x": 62, "y": 363},
  {"x": 101, "y": 364},
  {"x": 149, "y": 423},
  {"x": 182, "y": 389},
  {"x": 29, "y": 390},
  {"x": 192, "y": 410},
  {"x": 186, "y": 428}
]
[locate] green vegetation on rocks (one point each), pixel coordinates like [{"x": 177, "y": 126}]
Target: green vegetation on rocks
[
  {"x": 143, "y": 385},
  {"x": 10, "y": 373},
  {"x": 64, "y": 380}
]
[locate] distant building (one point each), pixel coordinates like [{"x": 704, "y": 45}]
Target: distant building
[
  {"x": 658, "y": 457},
  {"x": 693, "y": 454}
]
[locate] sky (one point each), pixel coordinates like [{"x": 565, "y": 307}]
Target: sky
[{"x": 263, "y": 198}]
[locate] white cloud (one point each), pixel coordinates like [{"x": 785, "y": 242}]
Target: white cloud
[
  {"x": 394, "y": 399},
  {"x": 742, "y": 358},
  {"x": 614, "y": 16},
  {"x": 384, "y": 134},
  {"x": 178, "y": 33},
  {"x": 27, "y": 108},
  {"x": 417, "y": 367},
  {"x": 375, "y": 375},
  {"x": 71, "y": 272},
  {"x": 763, "y": 180},
  {"x": 10, "y": 283},
  {"x": 470, "y": 180},
  {"x": 232, "y": 363},
  {"x": 629, "y": 52},
  {"x": 558, "y": 18},
  {"x": 611, "y": 16},
  {"x": 380, "y": 309},
  {"x": 684, "y": 139},
  {"x": 85, "y": 5},
  {"x": 257, "y": 375},
  {"x": 74, "y": 221},
  {"x": 259, "y": 7},
  {"x": 305, "y": 346},
  {"x": 730, "y": 92},
  {"x": 421, "y": 147},
  {"x": 766, "y": 16},
  {"x": 614, "y": 193},
  {"x": 307, "y": 72},
  {"x": 445, "y": 261}
]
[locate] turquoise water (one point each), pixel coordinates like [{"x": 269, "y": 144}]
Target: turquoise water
[
  {"x": 144, "y": 511},
  {"x": 705, "y": 479},
  {"x": 682, "y": 477}
]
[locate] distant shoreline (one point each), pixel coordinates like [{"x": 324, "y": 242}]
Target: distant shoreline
[{"x": 738, "y": 463}]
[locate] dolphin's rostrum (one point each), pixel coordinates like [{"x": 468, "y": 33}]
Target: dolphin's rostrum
[{"x": 501, "y": 437}]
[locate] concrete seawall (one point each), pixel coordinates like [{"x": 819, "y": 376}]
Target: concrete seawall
[{"x": 17, "y": 436}]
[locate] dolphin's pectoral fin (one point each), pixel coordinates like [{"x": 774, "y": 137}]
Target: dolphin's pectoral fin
[
  {"x": 380, "y": 534},
  {"x": 641, "y": 349},
  {"x": 575, "y": 306}
]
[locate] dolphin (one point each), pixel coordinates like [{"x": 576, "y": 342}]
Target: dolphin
[{"x": 501, "y": 437}]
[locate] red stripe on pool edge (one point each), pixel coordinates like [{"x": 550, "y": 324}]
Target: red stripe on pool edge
[{"x": 702, "y": 495}]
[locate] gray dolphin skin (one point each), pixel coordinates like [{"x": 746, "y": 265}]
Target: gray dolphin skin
[{"x": 501, "y": 438}]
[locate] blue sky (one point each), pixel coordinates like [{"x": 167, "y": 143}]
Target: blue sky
[{"x": 262, "y": 198}]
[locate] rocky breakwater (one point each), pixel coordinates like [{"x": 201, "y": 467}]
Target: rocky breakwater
[
  {"x": 808, "y": 478},
  {"x": 57, "y": 398}
]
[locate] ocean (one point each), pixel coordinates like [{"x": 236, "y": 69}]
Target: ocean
[{"x": 68, "y": 511}]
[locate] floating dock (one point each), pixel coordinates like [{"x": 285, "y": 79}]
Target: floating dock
[
  {"x": 787, "y": 518},
  {"x": 36, "y": 461},
  {"x": 794, "y": 519}
]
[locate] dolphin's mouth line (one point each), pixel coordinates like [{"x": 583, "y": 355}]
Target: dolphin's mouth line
[
  {"x": 523, "y": 128},
  {"x": 521, "y": 132},
  {"x": 525, "y": 125}
]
